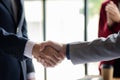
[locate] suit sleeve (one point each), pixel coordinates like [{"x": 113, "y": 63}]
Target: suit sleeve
[
  {"x": 84, "y": 52},
  {"x": 12, "y": 44}
]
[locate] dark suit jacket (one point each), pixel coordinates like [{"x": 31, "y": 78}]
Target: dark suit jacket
[{"x": 13, "y": 37}]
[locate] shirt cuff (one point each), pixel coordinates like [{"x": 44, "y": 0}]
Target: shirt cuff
[
  {"x": 67, "y": 51},
  {"x": 31, "y": 75},
  {"x": 28, "y": 49}
]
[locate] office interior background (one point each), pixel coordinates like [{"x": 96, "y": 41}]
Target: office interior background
[{"x": 63, "y": 21}]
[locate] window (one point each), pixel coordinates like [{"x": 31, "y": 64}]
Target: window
[
  {"x": 33, "y": 13},
  {"x": 65, "y": 23}
]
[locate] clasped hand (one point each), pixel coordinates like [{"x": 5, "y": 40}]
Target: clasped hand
[
  {"x": 113, "y": 13},
  {"x": 49, "y": 53}
]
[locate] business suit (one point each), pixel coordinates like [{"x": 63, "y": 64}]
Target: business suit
[
  {"x": 13, "y": 37},
  {"x": 96, "y": 50}
]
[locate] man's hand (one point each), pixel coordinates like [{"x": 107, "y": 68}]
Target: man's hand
[
  {"x": 54, "y": 51},
  {"x": 48, "y": 57}
]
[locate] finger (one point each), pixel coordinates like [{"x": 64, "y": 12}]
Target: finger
[
  {"x": 58, "y": 56},
  {"x": 52, "y": 60},
  {"x": 39, "y": 59},
  {"x": 111, "y": 2},
  {"x": 111, "y": 6},
  {"x": 42, "y": 46},
  {"x": 49, "y": 59},
  {"x": 52, "y": 56},
  {"x": 44, "y": 63},
  {"x": 54, "y": 45},
  {"x": 55, "y": 53},
  {"x": 51, "y": 53},
  {"x": 49, "y": 63}
]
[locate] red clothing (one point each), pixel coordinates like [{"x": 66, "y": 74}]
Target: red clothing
[{"x": 104, "y": 30}]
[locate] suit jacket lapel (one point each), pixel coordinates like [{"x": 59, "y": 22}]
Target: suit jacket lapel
[
  {"x": 21, "y": 16},
  {"x": 7, "y": 4}
]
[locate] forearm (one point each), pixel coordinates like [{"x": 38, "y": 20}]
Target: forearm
[{"x": 97, "y": 50}]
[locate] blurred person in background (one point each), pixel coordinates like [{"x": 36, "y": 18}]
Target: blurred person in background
[{"x": 109, "y": 23}]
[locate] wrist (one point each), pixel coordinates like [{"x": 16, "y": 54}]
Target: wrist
[
  {"x": 35, "y": 50},
  {"x": 64, "y": 49}
]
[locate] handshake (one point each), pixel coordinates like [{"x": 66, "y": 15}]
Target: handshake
[{"x": 49, "y": 53}]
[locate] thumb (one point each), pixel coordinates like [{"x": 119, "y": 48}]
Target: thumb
[
  {"x": 42, "y": 46},
  {"x": 55, "y": 45}
]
